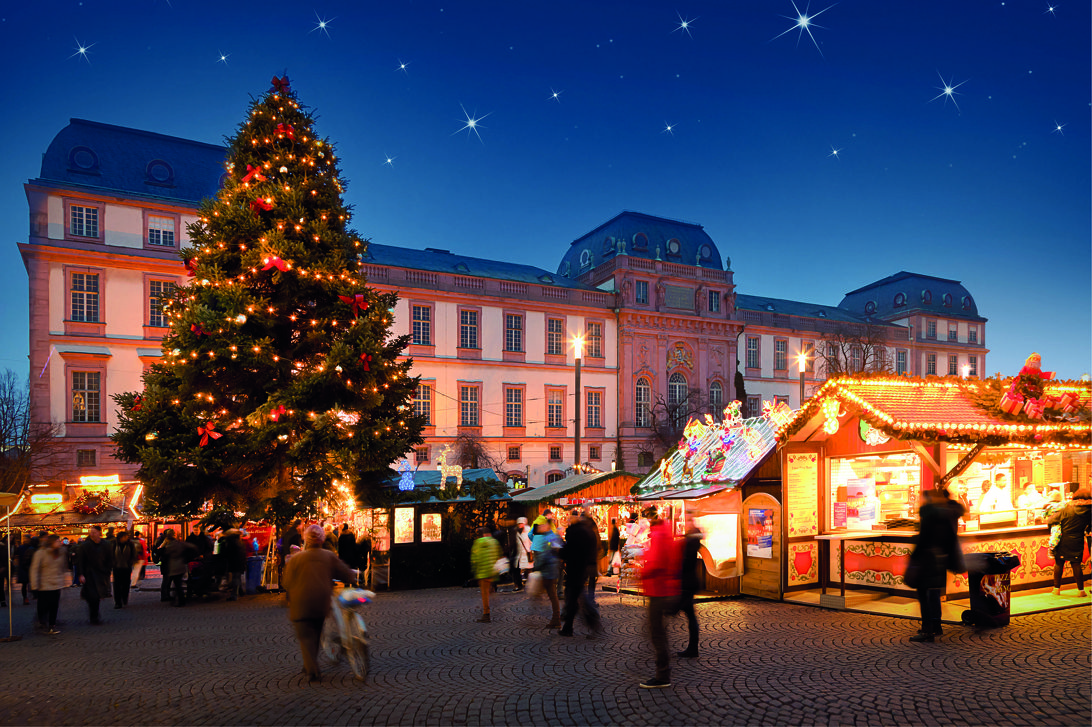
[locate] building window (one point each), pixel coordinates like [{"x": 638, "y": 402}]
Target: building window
[
  {"x": 420, "y": 455},
  {"x": 468, "y": 406},
  {"x": 157, "y": 291},
  {"x": 931, "y": 330},
  {"x": 83, "y": 221},
  {"x": 595, "y": 409},
  {"x": 754, "y": 406},
  {"x": 555, "y": 409},
  {"x": 947, "y": 300},
  {"x": 86, "y": 386},
  {"x": 422, "y": 403},
  {"x": 781, "y": 355},
  {"x": 900, "y": 362},
  {"x": 644, "y": 460},
  {"x": 900, "y": 300},
  {"x": 593, "y": 345},
  {"x": 953, "y": 333},
  {"x": 972, "y": 334},
  {"x": 160, "y": 231},
  {"x": 513, "y": 332},
  {"x": 85, "y": 457},
  {"x": 931, "y": 364},
  {"x": 714, "y": 301},
  {"x": 422, "y": 325},
  {"x": 676, "y": 397},
  {"x": 554, "y": 476},
  {"x": 595, "y": 453},
  {"x": 972, "y": 364},
  {"x": 716, "y": 398},
  {"x": 468, "y": 329},
  {"x": 85, "y": 297},
  {"x": 555, "y": 337},
  {"x": 807, "y": 348},
  {"x": 643, "y": 402},
  {"x": 855, "y": 359},
  {"x": 513, "y": 406},
  {"x": 514, "y": 454},
  {"x": 953, "y": 365},
  {"x": 555, "y": 453},
  {"x": 752, "y": 352},
  {"x": 641, "y": 291},
  {"x": 780, "y": 399}
]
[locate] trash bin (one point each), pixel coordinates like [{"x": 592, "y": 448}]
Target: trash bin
[
  {"x": 254, "y": 565},
  {"x": 988, "y": 578}
]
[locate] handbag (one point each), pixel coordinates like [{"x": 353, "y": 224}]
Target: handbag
[
  {"x": 913, "y": 575},
  {"x": 534, "y": 586},
  {"x": 501, "y": 566}
]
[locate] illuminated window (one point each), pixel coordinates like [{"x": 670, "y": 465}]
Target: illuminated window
[
  {"x": 555, "y": 409},
  {"x": 641, "y": 291},
  {"x": 83, "y": 221},
  {"x": 86, "y": 387},
  {"x": 85, "y": 297},
  {"x": 160, "y": 231},
  {"x": 555, "y": 337},
  {"x": 513, "y": 332},
  {"x": 468, "y": 406},
  {"x": 158, "y": 290},
  {"x": 752, "y": 352},
  {"x": 953, "y": 365},
  {"x": 716, "y": 398},
  {"x": 781, "y": 355},
  {"x": 593, "y": 344},
  {"x": 595, "y": 409},
  {"x": 422, "y": 403},
  {"x": 468, "y": 329},
  {"x": 643, "y": 401},
  {"x": 931, "y": 363},
  {"x": 714, "y": 301},
  {"x": 555, "y": 453},
  {"x": 808, "y": 349},
  {"x": 422, "y": 325},
  {"x": 513, "y": 406}
]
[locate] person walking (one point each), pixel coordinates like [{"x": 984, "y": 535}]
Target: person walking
[
  {"x": 522, "y": 561},
  {"x": 141, "y": 547},
  {"x": 1073, "y": 523},
  {"x": 614, "y": 548},
  {"x": 545, "y": 544},
  {"x": 26, "y": 555},
  {"x": 160, "y": 559},
  {"x": 660, "y": 578},
  {"x": 484, "y": 555},
  {"x": 5, "y": 572},
  {"x": 580, "y": 556},
  {"x": 689, "y": 585},
  {"x": 309, "y": 579},
  {"x": 936, "y": 551},
  {"x": 346, "y": 547},
  {"x": 48, "y": 575},
  {"x": 175, "y": 557},
  {"x": 233, "y": 554},
  {"x": 95, "y": 561},
  {"x": 125, "y": 559}
]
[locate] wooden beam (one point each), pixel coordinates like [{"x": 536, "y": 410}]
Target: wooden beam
[
  {"x": 928, "y": 457},
  {"x": 961, "y": 466}
]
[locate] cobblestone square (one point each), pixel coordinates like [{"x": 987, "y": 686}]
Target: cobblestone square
[{"x": 761, "y": 663}]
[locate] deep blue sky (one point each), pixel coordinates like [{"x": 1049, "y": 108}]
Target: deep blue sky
[{"x": 991, "y": 193}]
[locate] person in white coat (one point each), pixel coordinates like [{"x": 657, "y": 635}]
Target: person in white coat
[
  {"x": 523, "y": 548},
  {"x": 48, "y": 575}
]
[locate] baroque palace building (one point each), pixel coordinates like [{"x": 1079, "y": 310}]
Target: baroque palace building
[{"x": 653, "y": 299}]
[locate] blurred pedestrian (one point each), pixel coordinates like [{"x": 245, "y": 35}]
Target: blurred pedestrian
[
  {"x": 141, "y": 548},
  {"x": 580, "y": 554},
  {"x": 125, "y": 559},
  {"x": 1073, "y": 523},
  {"x": 660, "y": 576},
  {"x": 614, "y": 548},
  {"x": 522, "y": 561},
  {"x": 545, "y": 544},
  {"x": 95, "y": 561},
  {"x": 233, "y": 554},
  {"x": 175, "y": 557},
  {"x": 5, "y": 572},
  {"x": 48, "y": 575},
  {"x": 691, "y": 550},
  {"x": 309, "y": 583},
  {"x": 346, "y": 547},
  {"x": 484, "y": 555},
  {"x": 26, "y": 555},
  {"x": 936, "y": 551}
]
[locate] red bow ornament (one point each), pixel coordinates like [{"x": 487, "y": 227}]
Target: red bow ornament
[
  {"x": 366, "y": 358},
  {"x": 198, "y": 329},
  {"x": 138, "y": 403},
  {"x": 276, "y": 413},
  {"x": 262, "y": 204},
  {"x": 286, "y": 130},
  {"x": 253, "y": 173},
  {"x": 207, "y": 431},
  {"x": 280, "y": 85},
  {"x": 275, "y": 262},
  {"x": 191, "y": 267},
  {"x": 357, "y": 302}
]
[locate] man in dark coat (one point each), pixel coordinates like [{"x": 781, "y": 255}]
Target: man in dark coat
[
  {"x": 346, "y": 546},
  {"x": 936, "y": 551},
  {"x": 233, "y": 554},
  {"x": 95, "y": 562},
  {"x": 25, "y": 555},
  {"x": 1074, "y": 521},
  {"x": 580, "y": 553},
  {"x": 690, "y": 585},
  {"x": 175, "y": 557},
  {"x": 124, "y": 555}
]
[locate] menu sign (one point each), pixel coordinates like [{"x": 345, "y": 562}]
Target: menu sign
[
  {"x": 802, "y": 490},
  {"x": 430, "y": 528}
]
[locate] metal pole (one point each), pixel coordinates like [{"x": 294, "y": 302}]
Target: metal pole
[
  {"x": 801, "y": 387},
  {"x": 7, "y": 584},
  {"x": 578, "y": 404}
]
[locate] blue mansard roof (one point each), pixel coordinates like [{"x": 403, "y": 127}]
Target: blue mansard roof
[
  {"x": 904, "y": 293},
  {"x": 132, "y": 163},
  {"x": 802, "y": 309}
]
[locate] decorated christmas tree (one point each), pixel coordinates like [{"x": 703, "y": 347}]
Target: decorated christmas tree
[{"x": 280, "y": 379}]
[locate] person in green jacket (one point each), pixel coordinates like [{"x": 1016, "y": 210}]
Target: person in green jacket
[{"x": 483, "y": 562}]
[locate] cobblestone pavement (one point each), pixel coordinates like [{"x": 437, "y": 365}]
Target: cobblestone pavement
[{"x": 761, "y": 663}]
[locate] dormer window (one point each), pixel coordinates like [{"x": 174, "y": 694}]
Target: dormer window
[
  {"x": 706, "y": 252},
  {"x": 585, "y": 258},
  {"x": 870, "y": 307},
  {"x": 822, "y": 314},
  {"x": 608, "y": 245},
  {"x": 926, "y": 297},
  {"x": 83, "y": 159},
  {"x": 673, "y": 246},
  {"x": 769, "y": 306},
  {"x": 566, "y": 267},
  {"x": 900, "y": 300},
  {"x": 966, "y": 302},
  {"x": 947, "y": 300},
  {"x": 546, "y": 279},
  {"x": 640, "y": 241},
  {"x": 462, "y": 267},
  {"x": 159, "y": 173}
]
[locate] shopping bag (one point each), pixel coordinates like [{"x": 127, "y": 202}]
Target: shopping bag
[
  {"x": 534, "y": 584},
  {"x": 501, "y": 566}
]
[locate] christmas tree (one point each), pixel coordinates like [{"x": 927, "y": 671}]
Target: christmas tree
[{"x": 280, "y": 380}]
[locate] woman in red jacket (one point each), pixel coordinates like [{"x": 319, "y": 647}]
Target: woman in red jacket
[{"x": 661, "y": 576}]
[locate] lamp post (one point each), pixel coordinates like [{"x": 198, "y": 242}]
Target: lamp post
[
  {"x": 578, "y": 352},
  {"x": 801, "y": 362}
]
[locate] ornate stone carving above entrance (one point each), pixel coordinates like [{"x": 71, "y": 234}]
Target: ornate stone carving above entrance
[{"x": 680, "y": 355}]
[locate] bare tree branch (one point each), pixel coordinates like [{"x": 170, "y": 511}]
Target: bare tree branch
[
  {"x": 853, "y": 348},
  {"x": 28, "y": 450}
]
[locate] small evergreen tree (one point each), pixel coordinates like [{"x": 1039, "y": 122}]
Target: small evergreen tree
[{"x": 279, "y": 375}]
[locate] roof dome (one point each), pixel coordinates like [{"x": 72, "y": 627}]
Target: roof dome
[{"x": 903, "y": 293}]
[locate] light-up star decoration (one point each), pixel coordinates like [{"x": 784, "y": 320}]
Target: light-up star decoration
[
  {"x": 473, "y": 123},
  {"x": 948, "y": 91},
  {"x": 684, "y": 24},
  {"x": 81, "y": 51},
  {"x": 323, "y": 24},
  {"x": 222, "y": 57},
  {"x": 1058, "y": 129},
  {"x": 556, "y": 95},
  {"x": 803, "y": 23}
]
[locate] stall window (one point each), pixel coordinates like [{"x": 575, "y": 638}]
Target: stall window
[{"x": 873, "y": 489}]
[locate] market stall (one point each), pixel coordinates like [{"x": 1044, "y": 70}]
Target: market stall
[
  {"x": 858, "y": 456},
  {"x": 70, "y": 509}
]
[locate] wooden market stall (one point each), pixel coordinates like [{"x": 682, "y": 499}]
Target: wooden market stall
[{"x": 858, "y": 456}]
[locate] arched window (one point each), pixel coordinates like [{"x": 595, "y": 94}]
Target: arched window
[
  {"x": 926, "y": 297},
  {"x": 676, "y": 397},
  {"x": 870, "y": 307},
  {"x": 900, "y": 300},
  {"x": 716, "y": 399},
  {"x": 552, "y": 477},
  {"x": 947, "y": 300},
  {"x": 643, "y": 400}
]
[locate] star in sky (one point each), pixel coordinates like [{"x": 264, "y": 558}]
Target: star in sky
[
  {"x": 669, "y": 128},
  {"x": 389, "y": 160},
  {"x": 802, "y": 23},
  {"x": 834, "y": 152},
  {"x": 1058, "y": 129},
  {"x": 1050, "y": 9},
  {"x": 81, "y": 51},
  {"x": 473, "y": 123},
  {"x": 323, "y": 24},
  {"x": 948, "y": 91},
  {"x": 556, "y": 95},
  {"x": 223, "y": 57},
  {"x": 684, "y": 24},
  {"x": 402, "y": 67}
]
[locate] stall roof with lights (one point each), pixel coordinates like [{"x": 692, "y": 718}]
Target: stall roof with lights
[
  {"x": 431, "y": 478},
  {"x": 573, "y": 484},
  {"x": 939, "y": 410}
]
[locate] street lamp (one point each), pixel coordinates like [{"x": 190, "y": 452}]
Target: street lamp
[
  {"x": 801, "y": 362},
  {"x": 578, "y": 352}
]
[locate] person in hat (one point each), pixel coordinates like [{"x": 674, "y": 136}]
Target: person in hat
[{"x": 523, "y": 560}]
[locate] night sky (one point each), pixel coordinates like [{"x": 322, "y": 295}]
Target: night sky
[{"x": 818, "y": 161}]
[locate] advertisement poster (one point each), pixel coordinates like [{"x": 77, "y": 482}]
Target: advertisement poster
[
  {"x": 760, "y": 533},
  {"x": 430, "y": 527},
  {"x": 802, "y": 493},
  {"x": 403, "y": 525}
]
